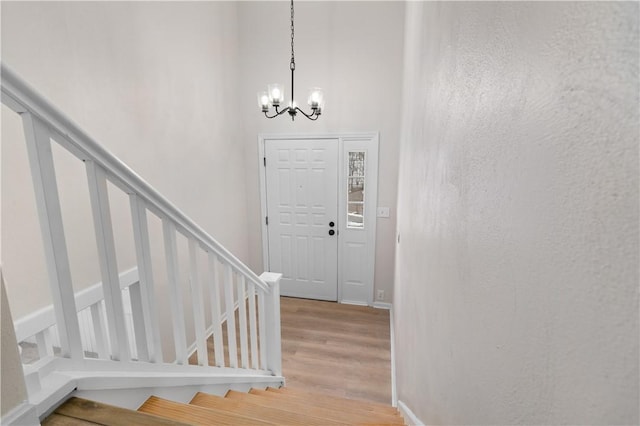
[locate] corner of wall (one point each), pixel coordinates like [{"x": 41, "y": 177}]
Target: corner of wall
[{"x": 14, "y": 392}]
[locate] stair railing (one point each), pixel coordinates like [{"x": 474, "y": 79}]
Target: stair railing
[{"x": 259, "y": 320}]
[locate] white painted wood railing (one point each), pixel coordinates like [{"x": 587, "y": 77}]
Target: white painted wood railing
[
  {"x": 256, "y": 299},
  {"x": 40, "y": 330}
]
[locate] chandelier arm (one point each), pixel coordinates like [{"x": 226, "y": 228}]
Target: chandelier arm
[
  {"x": 277, "y": 113},
  {"x": 313, "y": 116}
]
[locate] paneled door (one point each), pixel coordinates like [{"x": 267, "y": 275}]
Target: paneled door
[{"x": 302, "y": 215}]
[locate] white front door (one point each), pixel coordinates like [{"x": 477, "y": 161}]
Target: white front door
[{"x": 302, "y": 215}]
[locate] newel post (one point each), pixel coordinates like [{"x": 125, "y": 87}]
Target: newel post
[{"x": 272, "y": 311}]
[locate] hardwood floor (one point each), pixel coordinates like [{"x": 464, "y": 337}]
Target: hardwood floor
[
  {"x": 339, "y": 349},
  {"x": 342, "y": 350}
]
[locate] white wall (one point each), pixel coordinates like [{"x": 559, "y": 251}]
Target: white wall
[
  {"x": 155, "y": 83},
  {"x": 353, "y": 50},
  {"x": 516, "y": 295}
]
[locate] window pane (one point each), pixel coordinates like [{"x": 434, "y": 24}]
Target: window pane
[
  {"x": 355, "y": 190},
  {"x": 356, "y": 164},
  {"x": 355, "y": 215}
]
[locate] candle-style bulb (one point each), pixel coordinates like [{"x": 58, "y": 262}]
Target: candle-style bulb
[
  {"x": 263, "y": 101},
  {"x": 315, "y": 100},
  {"x": 276, "y": 94}
]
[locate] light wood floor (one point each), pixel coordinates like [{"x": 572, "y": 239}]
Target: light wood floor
[
  {"x": 343, "y": 350},
  {"x": 339, "y": 349}
]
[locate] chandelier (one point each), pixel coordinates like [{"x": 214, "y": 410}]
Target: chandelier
[{"x": 274, "y": 96}]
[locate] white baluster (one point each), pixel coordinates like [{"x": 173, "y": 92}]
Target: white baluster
[
  {"x": 137, "y": 314},
  {"x": 262, "y": 329},
  {"x": 55, "y": 247},
  {"x": 242, "y": 314},
  {"x": 145, "y": 273},
  {"x": 99, "y": 330},
  {"x": 252, "y": 325},
  {"x": 108, "y": 264},
  {"x": 231, "y": 317},
  {"x": 198, "y": 305},
  {"x": 43, "y": 340},
  {"x": 86, "y": 332},
  {"x": 175, "y": 291},
  {"x": 218, "y": 346}
]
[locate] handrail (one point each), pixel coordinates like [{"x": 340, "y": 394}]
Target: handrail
[
  {"x": 120, "y": 327},
  {"x": 21, "y": 97}
]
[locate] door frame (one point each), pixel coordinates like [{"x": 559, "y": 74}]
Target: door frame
[{"x": 357, "y": 294}]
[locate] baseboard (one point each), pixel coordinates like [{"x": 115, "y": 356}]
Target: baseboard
[
  {"x": 408, "y": 415},
  {"x": 353, "y": 302},
  {"x": 394, "y": 390},
  {"x": 23, "y": 414},
  {"x": 382, "y": 305}
]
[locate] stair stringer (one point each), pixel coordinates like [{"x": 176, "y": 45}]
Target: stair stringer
[
  {"x": 129, "y": 384},
  {"x": 133, "y": 398}
]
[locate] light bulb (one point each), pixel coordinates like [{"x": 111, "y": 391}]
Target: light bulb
[
  {"x": 263, "y": 101},
  {"x": 276, "y": 93},
  {"x": 315, "y": 99}
]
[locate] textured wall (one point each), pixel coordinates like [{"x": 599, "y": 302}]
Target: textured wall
[{"x": 516, "y": 291}]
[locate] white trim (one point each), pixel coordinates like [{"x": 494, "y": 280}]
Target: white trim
[
  {"x": 134, "y": 380},
  {"x": 62, "y": 376},
  {"x": 394, "y": 385},
  {"x": 263, "y": 201},
  {"x": 409, "y": 417},
  {"x": 382, "y": 305},
  {"x": 44, "y": 318},
  {"x": 134, "y": 398},
  {"x": 362, "y": 291},
  {"x": 353, "y": 302},
  {"x": 23, "y": 414}
]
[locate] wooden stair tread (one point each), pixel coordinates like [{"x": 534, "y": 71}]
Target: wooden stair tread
[
  {"x": 331, "y": 403},
  {"x": 372, "y": 406},
  {"x": 60, "y": 420},
  {"x": 334, "y": 413},
  {"x": 104, "y": 414},
  {"x": 276, "y": 415},
  {"x": 194, "y": 414}
]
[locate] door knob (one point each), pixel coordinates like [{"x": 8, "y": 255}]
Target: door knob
[
  {"x": 331, "y": 232},
  {"x": 331, "y": 224}
]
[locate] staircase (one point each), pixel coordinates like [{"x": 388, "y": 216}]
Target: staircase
[
  {"x": 258, "y": 407},
  {"x": 107, "y": 338},
  {"x": 105, "y": 342}
]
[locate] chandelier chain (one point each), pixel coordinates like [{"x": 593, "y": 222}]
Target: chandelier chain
[{"x": 293, "y": 59}]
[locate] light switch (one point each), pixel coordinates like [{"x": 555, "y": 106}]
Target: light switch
[{"x": 383, "y": 212}]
